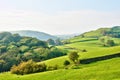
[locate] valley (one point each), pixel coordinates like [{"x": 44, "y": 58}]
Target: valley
[{"x": 87, "y": 48}]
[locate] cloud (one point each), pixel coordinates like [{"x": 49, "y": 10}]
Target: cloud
[{"x": 63, "y": 22}]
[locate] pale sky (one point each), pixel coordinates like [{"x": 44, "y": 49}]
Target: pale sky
[{"x": 58, "y": 16}]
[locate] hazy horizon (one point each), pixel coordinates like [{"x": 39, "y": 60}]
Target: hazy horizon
[{"x": 58, "y": 17}]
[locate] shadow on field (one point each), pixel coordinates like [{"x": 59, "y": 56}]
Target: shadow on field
[{"x": 91, "y": 60}]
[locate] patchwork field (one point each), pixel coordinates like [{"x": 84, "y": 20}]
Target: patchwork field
[{"x": 108, "y": 69}]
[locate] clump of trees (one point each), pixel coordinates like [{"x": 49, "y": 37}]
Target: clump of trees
[
  {"x": 51, "y": 42},
  {"x": 110, "y": 43},
  {"x": 28, "y": 67},
  {"x": 107, "y": 41},
  {"x": 74, "y": 58},
  {"x": 14, "y": 49},
  {"x": 54, "y": 42}
]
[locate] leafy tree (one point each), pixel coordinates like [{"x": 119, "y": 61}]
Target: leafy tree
[
  {"x": 73, "y": 56},
  {"x": 55, "y": 52},
  {"x": 16, "y": 37},
  {"x": 107, "y": 41},
  {"x": 66, "y": 62},
  {"x": 2, "y": 49},
  {"x": 58, "y": 42},
  {"x": 24, "y": 48},
  {"x": 110, "y": 43},
  {"x": 27, "y": 56},
  {"x": 51, "y": 42}
]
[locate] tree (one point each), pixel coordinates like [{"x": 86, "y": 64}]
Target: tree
[
  {"x": 66, "y": 62},
  {"x": 73, "y": 56},
  {"x": 24, "y": 48},
  {"x": 2, "y": 49},
  {"x": 58, "y": 42},
  {"x": 110, "y": 43},
  {"x": 16, "y": 37},
  {"x": 51, "y": 42}
]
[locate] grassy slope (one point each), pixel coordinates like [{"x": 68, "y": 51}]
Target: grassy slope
[
  {"x": 102, "y": 70},
  {"x": 97, "y": 32},
  {"x": 92, "y": 47},
  {"x": 59, "y": 61}
]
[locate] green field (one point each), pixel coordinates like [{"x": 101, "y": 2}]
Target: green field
[
  {"x": 94, "y": 49},
  {"x": 100, "y": 70},
  {"x": 103, "y": 70}
]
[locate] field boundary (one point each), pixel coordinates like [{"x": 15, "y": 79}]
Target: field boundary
[{"x": 91, "y": 60}]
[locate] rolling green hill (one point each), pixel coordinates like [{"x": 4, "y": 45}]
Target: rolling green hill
[
  {"x": 113, "y": 32},
  {"x": 103, "y": 70},
  {"x": 94, "y": 49},
  {"x": 105, "y": 64},
  {"x": 100, "y": 70}
]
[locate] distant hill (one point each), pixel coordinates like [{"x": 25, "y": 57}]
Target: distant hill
[
  {"x": 67, "y": 36},
  {"x": 36, "y": 34},
  {"x": 113, "y": 32}
]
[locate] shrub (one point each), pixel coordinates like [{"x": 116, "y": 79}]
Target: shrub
[
  {"x": 84, "y": 50},
  {"x": 110, "y": 43},
  {"x": 66, "y": 62},
  {"x": 73, "y": 56},
  {"x": 28, "y": 67}
]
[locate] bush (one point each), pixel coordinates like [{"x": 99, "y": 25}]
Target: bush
[
  {"x": 66, "y": 62},
  {"x": 73, "y": 56},
  {"x": 28, "y": 67},
  {"x": 110, "y": 43},
  {"x": 84, "y": 50}
]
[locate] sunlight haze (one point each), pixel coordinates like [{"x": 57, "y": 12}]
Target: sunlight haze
[{"x": 58, "y": 16}]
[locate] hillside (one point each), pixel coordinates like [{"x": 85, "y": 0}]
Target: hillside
[
  {"x": 99, "y": 70},
  {"x": 91, "y": 45},
  {"x": 35, "y": 34},
  {"x": 113, "y": 32},
  {"x": 15, "y": 48},
  {"x": 97, "y": 62},
  {"x": 103, "y": 70}
]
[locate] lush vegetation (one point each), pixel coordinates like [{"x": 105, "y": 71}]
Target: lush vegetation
[
  {"x": 102, "y": 53},
  {"x": 28, "y": 67},
  {"x": 15, "y": 49}
]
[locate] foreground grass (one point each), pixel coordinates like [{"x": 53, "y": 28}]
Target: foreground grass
[{"x": 102, "y": 70}]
